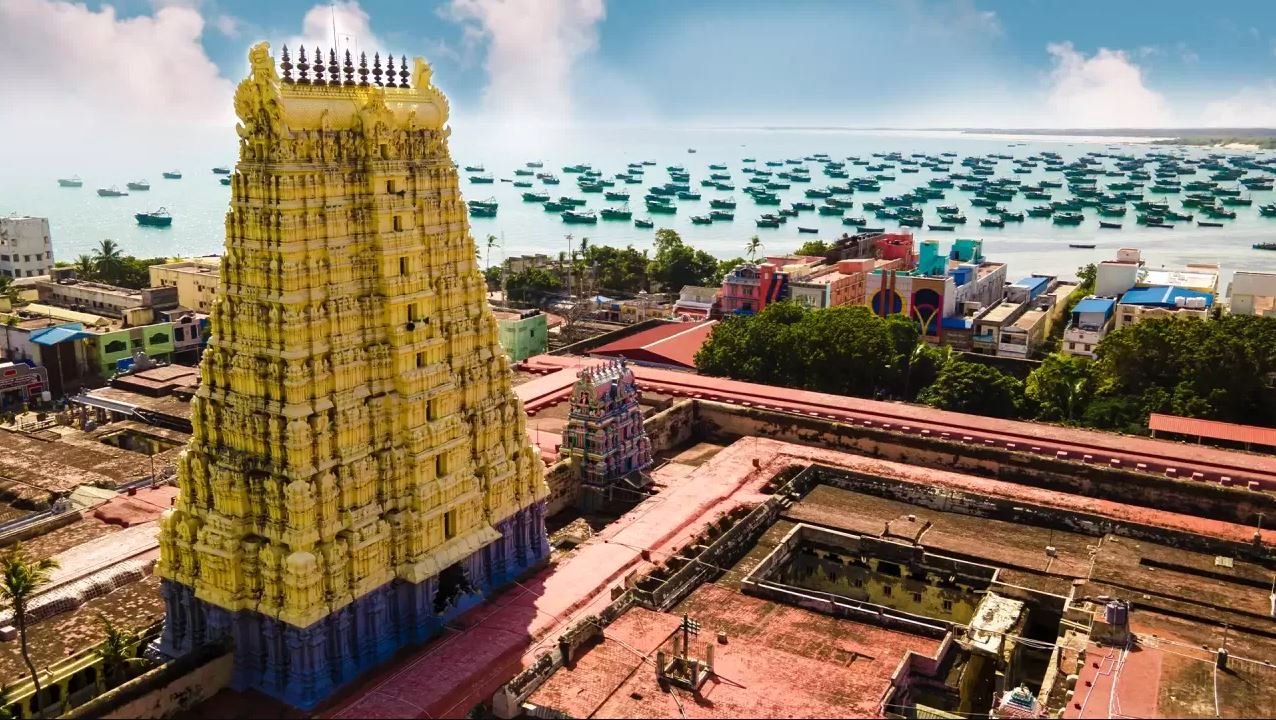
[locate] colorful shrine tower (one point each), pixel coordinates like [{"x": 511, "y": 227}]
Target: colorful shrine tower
[
  {"x": 604, "y": 437},
  {"x": 360, "y": 470}
]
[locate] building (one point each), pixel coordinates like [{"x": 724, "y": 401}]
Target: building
[
  {"x": 672, "y": 345},
  {"x": 359, "y": 472},
  {"x": 522, "y": 333},
  {"x": 938, "y": 293},
  {"x": 1129, "y": 270},
  {"x": 134, "y": 307},
  {"x": 21, "y": 383},
  {"x": 1252, "y": 293},
  {"x": 1020, "y": 323},
  {"x": 26, "y": 248},
  {"x": 194, "y": 278},
  {"x": 604, "y": 438},
  {"x": 696, "y": 303},
  {"x": 1092, "y": 318},
  {"x": 190, "y": 334},
  {"x": 1162, "y": 301},
  {"x": 749, "y": 288},
  {"x": 116, "y": 349}
]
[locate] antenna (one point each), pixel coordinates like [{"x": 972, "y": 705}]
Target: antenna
[{"x": 332, "y": 12}]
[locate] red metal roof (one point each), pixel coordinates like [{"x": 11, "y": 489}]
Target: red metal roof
[
  {"x": 669, "y": 344},
  {"x": 1213, "y": 429}
]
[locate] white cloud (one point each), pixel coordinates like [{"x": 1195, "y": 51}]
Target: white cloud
[
  {"x": 1104, "y": 90},
  {"x": 1248, "y": 107},
  {"x": 227, "y": 25},
  {"x": 532, "y": 49}
]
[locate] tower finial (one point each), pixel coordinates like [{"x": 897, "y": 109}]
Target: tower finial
[
  {"x": 303, "y": 78},
  {"x": 376, "y": 69},
  {"x": 334, "y": 71},
  {"x": 363, "y": 69},
  {"x": 403, "y": 72},
  {"x": 286, "y": 65},
  {"x": 349, "y": 70},
  {"x": 318, "y": 66}
]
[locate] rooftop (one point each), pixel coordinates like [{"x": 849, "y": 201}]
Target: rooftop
[
  {"x": 1029, "y": 319},
  {"x": 1163, "y": 296},
  {"x": 1000, "y": 313},
  {"x": 673, "y": 344},
  {"x": 1094, "y": 305}
]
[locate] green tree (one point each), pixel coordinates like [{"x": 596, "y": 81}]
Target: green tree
[
  {"x": 85, "y": 267},
  {"x": 532, "y": 285},
  {"x": 971, "y": 387},
  {"x": 109, "y": 261},
  {"x": 1060, "y": 388},
  {"x": 1086, "y": 276},
  {"x": 23, "y": 578},
  {"x": 813, "y": 248},
  {"x": 116, "y": 652},
  {"x": 622, "y": 270},
  {"x": 753, "y": 247},
  {"x": 677, "y": 264},
  {"x": 925, "y": 363}
]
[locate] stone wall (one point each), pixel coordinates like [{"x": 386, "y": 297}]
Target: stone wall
[
  {"x": 672, "y": 427},
  {"x": 564, "y": 487},
  {"x": 726, "y": 423},
  {"x": 167, "y": 691}
]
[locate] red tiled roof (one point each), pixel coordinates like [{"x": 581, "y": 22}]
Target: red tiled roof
[
  {"x": 667, "y": 344},
  {"x": 1213, "y": 429}
]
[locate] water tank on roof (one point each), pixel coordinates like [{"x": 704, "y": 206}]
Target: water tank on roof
[
  {"x": 1180, "y": 302},
  {"x": 1196, "y": 303},
  {"x": 1116, "y": 613}
]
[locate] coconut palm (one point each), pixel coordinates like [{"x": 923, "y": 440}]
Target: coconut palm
[
  {"x": 21, "y": 577},
  {"x": 109, "y": 260},
  {"x": 116, "y": 651},
  {"x": 85, "y": 267},
  {"x": 755, "y": 245},
  {"x": 491, "y": 243}
]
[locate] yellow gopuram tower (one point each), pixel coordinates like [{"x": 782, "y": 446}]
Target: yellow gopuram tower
[{"x": 360, "y": 470}]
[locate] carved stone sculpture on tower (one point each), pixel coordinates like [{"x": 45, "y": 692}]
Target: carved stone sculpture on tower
[{"x": 344, "y": 493}]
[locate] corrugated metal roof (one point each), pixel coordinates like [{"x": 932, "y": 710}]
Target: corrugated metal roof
[
  {"x": 1162, "y": 296},
  {"x": 667, "y": 344},
  {"x": 1212, "y": 429},
  {"x": 1094, "y": 305},
  {"x": 60, "y": 334}
]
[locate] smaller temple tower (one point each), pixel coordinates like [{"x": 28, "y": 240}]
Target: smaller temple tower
[{"x": 605, "y": 439}]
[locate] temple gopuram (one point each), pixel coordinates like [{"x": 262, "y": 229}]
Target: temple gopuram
[
  {"x": 359, "y": 471},
  {"x": 605, "y": 438}
]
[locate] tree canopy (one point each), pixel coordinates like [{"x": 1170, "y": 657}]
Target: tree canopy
[
  {"x": 814, "y": 248},
  {"x": 972, "y": 387},
  {"x": 677, "y": 264}
]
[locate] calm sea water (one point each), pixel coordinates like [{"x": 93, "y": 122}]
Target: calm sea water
[{"x": 80, "y": 219}]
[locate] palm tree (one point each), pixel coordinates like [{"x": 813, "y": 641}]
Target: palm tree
[
  {"x": 116, "y": 651},
  {"x": 85, "y": 267},
  {"x": 491, "y": 242},
  {"x": 109, "y": 260},
  {"x": 22, "y": 577},
  {"x": 755, "y": 244}
]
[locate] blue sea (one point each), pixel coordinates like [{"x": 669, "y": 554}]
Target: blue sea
[{"x": 80, "y": 219}]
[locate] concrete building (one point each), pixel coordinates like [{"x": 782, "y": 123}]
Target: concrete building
[
  {"x": 940, "y": 289},
  {"x": 696, "y": 303},
  {"x": 1019, "y": 324},
  {"x": 1252, "y": 293},
  {"x": 1092, "y": 318},
  {"x": 749, "y": 288},
  {"x": 522, "y": 333},
  {"x": 194, "y": 278},
  {"x": 26, "y": 248},
  {"x": 1129, "y": 270},
  {"x": 360, "y": 472},
  {"x": 1162, "y": 301},
  {"x": 134, "y": 307}
]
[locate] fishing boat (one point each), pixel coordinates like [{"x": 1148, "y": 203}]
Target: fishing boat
[
  {"x": 172, "y": 175},
  {"x": 1109, "y": 225},
  {"x": 722, "y": 215},
  {"x": 701, "y": 219},
  {"x": 138, "y": 185},
  {"x": 662, "y": 208},
  {"x": 522, "y": 184},
  {"x": 767, "y": 222},
  {"x": 802, "y": 206},
  {"x": 1268, "y": 210},
  {"x": 992, "y": 222},
  {"x": 854, "y": 221},
  {"x": 548, "y": 179},
  {"x": 155, "y": 218},
  {"x": 723, "y": 203},
  {"x": 573, "y": 217},
  {"x": 483, "y": 208},
  {"x": 617, "y": 213},
  {"x": 1068, "y": 218},
  {"x": 221, "y": 171},
  {"x": 1163, "y": 226},
  {"x": 555, "y": 206},
  {"x": 644, "y": 223},
  {"x": 832, "y": 210},
  {"x": 535, "y": 164},
  {"x": 112, "y": 191},
  {"x": 475, "y": 168},
  {"x": 616, "y": 195},
  {"x": 808, "y": 230},
  {"x": 524, "y": 172},
  {"x": 482, "y": 179},
  {"x": 1207, "y": 223},
  {"x": 536, "y": 197},
  {"x": 937, "y": 228},
  {"x": 1081, "y": 246},
  {"x": 688, "y": 195},
  {"x": 1011, "y": 216},
  {"x": 73, "y": 181},
  {"x": 1265, "y": 246},
  {"x": 225, "y": 181}
]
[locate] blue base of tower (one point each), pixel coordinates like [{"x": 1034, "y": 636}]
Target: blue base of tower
[{"x": 303, "y": 666}]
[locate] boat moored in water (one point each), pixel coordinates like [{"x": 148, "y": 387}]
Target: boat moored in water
[
  {"x": 112, "y": 191},
  {"x": 172, "y": 174},
  {"x": 155, "y": 218},
  {"x": 138, "y": 185},
  {"x": 72, "y": 182}
]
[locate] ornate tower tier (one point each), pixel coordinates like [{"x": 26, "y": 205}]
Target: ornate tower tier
[
  {"x": 360, "y": 469},
  {"x": 605, "y": 438}
]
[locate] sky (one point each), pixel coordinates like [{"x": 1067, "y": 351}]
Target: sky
[{"x": 133, "y": 71}]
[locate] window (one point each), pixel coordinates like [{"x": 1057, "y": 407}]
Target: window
[
  {"x": 389, "y": 186},
  {"x": 434, "y": 409},
  {"x": 420, "y": 359},
  {"x": 403, "y": 266},
  {"x": 412, "y": 311},
  {"x": 179, "y": 334},
  {"x": 159, "y": 338},
  {"x": 440, "y": 465},
  {"x": 449, "y": 524},
  {"x": 948, "y": 606},
  {"x": 116, "y": 346},
  {"x": 859, "y": 582},
  {"x": 398, "y": 223},
  {"x": 917, "y": 597},
  {"x": 887, "y": 590}
]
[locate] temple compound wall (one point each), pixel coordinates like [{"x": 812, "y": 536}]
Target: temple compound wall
[{"x": 359, "y": 470}]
